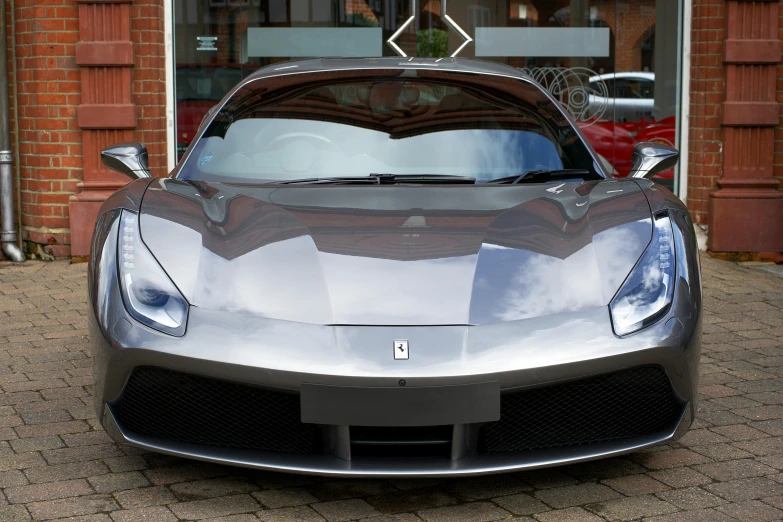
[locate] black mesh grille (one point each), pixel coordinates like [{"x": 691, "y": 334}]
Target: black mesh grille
[
  {"x": 187, "y": 408},
  {"x": 629, "y": 403}
]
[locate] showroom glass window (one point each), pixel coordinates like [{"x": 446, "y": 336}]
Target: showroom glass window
[{"x": 615, "y": 64}]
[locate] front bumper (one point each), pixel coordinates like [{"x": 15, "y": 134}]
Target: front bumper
[{"x": 282, "y": 356}]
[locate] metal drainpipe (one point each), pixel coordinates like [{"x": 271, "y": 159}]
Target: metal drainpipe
[{"x": 8, "y": 235}]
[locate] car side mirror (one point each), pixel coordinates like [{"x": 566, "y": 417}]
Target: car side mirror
[
  {"x": 127, "y": 158},
  {"x": 652, "y": 158}
]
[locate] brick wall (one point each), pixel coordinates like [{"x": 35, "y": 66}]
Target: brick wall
[
  {"x": 47, "y": 86},
  {"x": 49, "y": 141},
  {"x": 630, "y": 22},
  {"x": 707, "y": 93},
  {"x": 149, "y": 80}
]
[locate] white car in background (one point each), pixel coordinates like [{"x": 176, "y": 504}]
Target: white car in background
[{"x": 630, "y": 96}]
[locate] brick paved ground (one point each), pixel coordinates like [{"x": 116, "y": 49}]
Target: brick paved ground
[{"x": 55, "y": 463}]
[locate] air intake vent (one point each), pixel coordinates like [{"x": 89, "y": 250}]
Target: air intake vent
[
  {"x": 187, "y": 408},
  {"x": 625, "y": 404}
]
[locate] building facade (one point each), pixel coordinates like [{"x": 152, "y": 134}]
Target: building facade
[{"x": 703, "y": 75}]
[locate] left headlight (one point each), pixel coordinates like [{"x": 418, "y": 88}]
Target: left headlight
[
  {"x": 149, "y": 295},
  {"x": 646, "y": 294}
]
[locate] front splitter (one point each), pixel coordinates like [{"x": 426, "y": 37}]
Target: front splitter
[{"x": 327, "y": 465}]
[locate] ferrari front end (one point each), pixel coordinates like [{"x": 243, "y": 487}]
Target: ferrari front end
[{"x": 410, "y": 326}]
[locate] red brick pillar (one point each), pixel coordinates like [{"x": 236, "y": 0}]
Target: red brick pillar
[
  {"x": 48, "y": 145},
  {"x": 746, "y": 212},
  {"x": 107, "y": 114}
]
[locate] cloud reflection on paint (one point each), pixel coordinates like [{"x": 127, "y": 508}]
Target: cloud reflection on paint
[{"x": 527, "y": 284}]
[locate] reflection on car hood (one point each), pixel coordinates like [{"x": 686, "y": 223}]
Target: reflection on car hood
[{"x": 397, "y": 255}]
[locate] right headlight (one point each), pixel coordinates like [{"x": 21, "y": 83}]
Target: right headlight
[
  {"x": 149, "y": 295},
  {"x": 647, "y": 293}
]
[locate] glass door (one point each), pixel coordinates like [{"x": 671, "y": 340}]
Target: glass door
[{"x": 613, "y": 64}]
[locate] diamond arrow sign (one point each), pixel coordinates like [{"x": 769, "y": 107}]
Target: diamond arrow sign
[
  {"x": 451, "y": 23},
  {"x": 399, "y": 31}
]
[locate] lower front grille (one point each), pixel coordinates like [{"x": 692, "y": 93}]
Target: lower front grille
[
  {"x": 188, "y": 408},
  {"x": 625, "y": 404}
]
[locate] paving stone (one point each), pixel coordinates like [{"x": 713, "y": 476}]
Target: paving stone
[
  {"x": 277, "y": 498},
  {"x": 47, "y": 491},
  {"x": 691, "y": 498},
  {"x": 142, "y": 497},
  {"x": 70, "y": 507},
  {"x": 183, "y": 473},
  {"x": 65, "y": 471},
  {"x": 291, "y": 514},
  {"x": 410, "y": 500},
  {"x": 772, "y": 427},
  {"x": 722, "y": 452},
  {"x": 576, "y": 495},
  {"x": 10, "y": 460},
  {"x": 635, "y": 485},
  {"x": 89, "y": 438},
  {"x": 698, "y": 515},
  {"x": 403, "y": 517},
  {"x": 752, "y": 511},
  {"x": 112, "y": 482},
  {"x": 675, "y": 458},
  {"x": 12, "y": 478},
  {"x": 340, "y": 489},
  {"x": 470, "y": 512},
  {"x": 218, "y": 487},
  {"x": 746, "y": 489},
  {"x": 233, "y": 518},
  {"x": 350, "y": 509},
  {"x": 573, "y": 514},
  {"x": 680, "y": 477},
  {"x": 145, "y": 514},
  {"x": 127, "y": 463},
  {"x": 548, "y": 478},
  {"x": 14, "y": 514},
  {"x": 521, "y": 504},
  {"x": 768, "y": 446},
  {"x": 215, "y": 507},
  {"x": 739, "y": 432},
  {"x": 101, "y": 517},
  {"x": 632, "y": 508},
  {"x": 37, "y": 443},
  {"x": 736, "y": 469}
]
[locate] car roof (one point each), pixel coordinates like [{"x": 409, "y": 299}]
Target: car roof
[{"x": 342, "y": 64}]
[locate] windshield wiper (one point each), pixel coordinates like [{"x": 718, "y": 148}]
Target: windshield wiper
[
  {"x": 543, "y": 175},
  {"x": 381, "y": 179}
]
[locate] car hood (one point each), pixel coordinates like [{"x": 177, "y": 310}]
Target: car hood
[{"x": 396, "y": 254}]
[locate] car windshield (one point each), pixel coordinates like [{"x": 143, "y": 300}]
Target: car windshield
[{"x": 397, "y": 122}]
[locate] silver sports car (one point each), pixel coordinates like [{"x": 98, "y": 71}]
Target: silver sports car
[{"x": 393, "y": 267}]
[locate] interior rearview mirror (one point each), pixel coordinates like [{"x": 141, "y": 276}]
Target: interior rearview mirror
[
  {"x": 127, "y": 158},
  {"x": 652, "y": 158}
]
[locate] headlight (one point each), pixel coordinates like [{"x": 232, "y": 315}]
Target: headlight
[
  {"x": 149, "y": 295},
  {"x": 647, "y": 292}
]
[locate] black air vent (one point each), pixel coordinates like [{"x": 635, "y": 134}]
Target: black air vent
[
  {"x": 186, "y": 408},
  {"x": 629, "y": 403}
]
